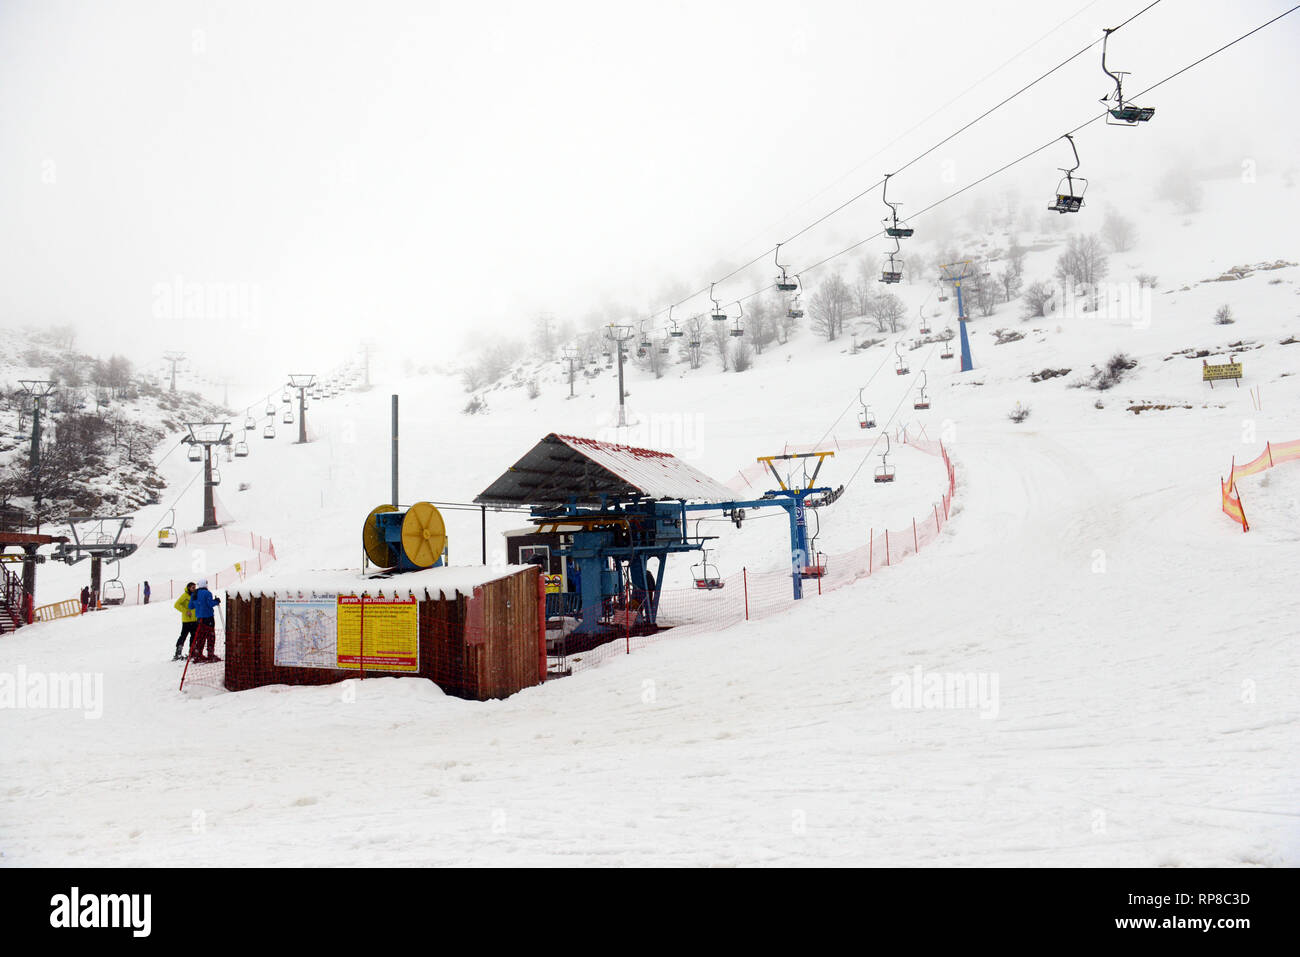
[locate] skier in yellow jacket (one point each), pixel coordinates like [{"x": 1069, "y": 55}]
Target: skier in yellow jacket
[{"x": 189, "y": 620}]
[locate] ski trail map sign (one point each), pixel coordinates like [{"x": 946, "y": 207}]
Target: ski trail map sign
[{"x": 328, "y": 631}]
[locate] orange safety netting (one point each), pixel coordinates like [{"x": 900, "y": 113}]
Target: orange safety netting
[{"x": 1272, "y": 455}]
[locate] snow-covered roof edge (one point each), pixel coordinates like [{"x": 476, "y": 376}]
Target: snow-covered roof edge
[{"x": 435, "y": 583}]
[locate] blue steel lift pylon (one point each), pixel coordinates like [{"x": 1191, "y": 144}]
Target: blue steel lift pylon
[{"x": 955, "y": 273}]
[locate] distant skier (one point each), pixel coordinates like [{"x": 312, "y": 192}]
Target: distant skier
[
  {"x": 85, "y": 598},
  {"x": 203, "y": 604},
  {"x": 189, "y": 621},
  {"x": 146, "y": 593}
]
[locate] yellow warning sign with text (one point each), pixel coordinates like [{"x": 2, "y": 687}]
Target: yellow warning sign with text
[
  {"x": 382, "y": 632},
  {"x": 1227, "y": 370}
]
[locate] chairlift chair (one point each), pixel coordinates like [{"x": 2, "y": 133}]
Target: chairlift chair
[
  {"x": 706, "y": 574},
  {"x": 921, "y": 401},
  {"x": 1121, "y": 114},
  {"x": 216, "y": 475},
  {"x": 947, "y": 350},
  {"x": 794, "y": 310},
  {"x": 738, "y": 330},
  {"x": 1069, "y": 192},
  {"x": 167, "y": 534},
  {"x": 885, "y": 471},
  {"x": 241, "y": 447},
  {"x": 270, "y": 408},
  {"x": 893, "y": 229},
  {"x": 113, "y": 592},
  {"x": 269, "y": 431},
  {"x": 783, "y": 282},
  {"x": 195, "y": 454},
  {"x": 866, "y": 418},
  {"x": 894, "y": 271},
  {"x": 718, "y": 315},
  {"x": 287, "y": 418},
  {"x": 673, "y": 331},
  {"x": 923, "y": 327},
  {"x": 250, "y": 422},
  {"x": 285, "y": 397},
  {"x": 902, "y": 365},
  {"x": 663, "y": 347}
]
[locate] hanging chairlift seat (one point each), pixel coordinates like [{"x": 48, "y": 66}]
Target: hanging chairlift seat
[
  {"x": 195, "y": 454},
  {"x": 113, "y": 592},
  {"x": 270, "y": 409},
  {"x": 241, "y": 450},
  {"x": 891, "y": 275},
  {"x": 902, "y": 369},
  {"x": 866, "y": 420},
  {"x": 250, "y": 423},
  {"x": 947, "y": 352},
  {"x": 287, "y": 418},
  {"x": 268, "y": 432},
  {"x": 1130, "y": 115},
  {"x": 899, "y": 232},
  {"x": 884, "y": 473},
  {"x": 167, "y": 537},
  {"x": 216, "y": 475},
  {"x": 817, "y": 569}
]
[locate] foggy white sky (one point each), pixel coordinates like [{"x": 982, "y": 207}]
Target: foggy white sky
[{"x": 424, "y": 173}]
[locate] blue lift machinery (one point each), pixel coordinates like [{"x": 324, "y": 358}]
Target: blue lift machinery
[{"x": 619, "y": 512}]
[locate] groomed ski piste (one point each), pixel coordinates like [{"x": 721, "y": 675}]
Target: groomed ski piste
[{"x": 1135, "y": 650}]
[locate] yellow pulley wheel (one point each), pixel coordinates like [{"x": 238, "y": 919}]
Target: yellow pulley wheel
[
  {"x": 372, "y": 540},
  {"x": 424, "y": 535}
]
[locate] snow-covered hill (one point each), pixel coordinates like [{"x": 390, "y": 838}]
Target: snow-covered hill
[{"x": 1131, "y": 643}]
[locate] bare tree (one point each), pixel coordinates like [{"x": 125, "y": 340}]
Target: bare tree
[
  {"x": 1084, "y": 261},
  {"x": 887, "y": 310},
  {"x": 1037, "y": 297},
  {"x": 830, "y": 306},
  {"x": 743, "y": 356},
  {"x": 1119, "y": 232},
  {"x": 720, "y": 342}
]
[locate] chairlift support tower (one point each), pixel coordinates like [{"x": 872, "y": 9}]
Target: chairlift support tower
[
  {"x": 619, "y": 334},
  {"x": 302, "y": 382},
  {"x": 39, "y": 390},
  {"x": 207, "y": 435},
  {"x": 954, "y": 273},
  {"x": 175, "y": 358}
]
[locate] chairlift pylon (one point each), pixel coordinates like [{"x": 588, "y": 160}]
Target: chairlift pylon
[
  {"x": 1121, "y": 114},
  {"x": 1070, "y": 199},
  {"x": 885, "y": 471},
  {"x": 892, "y": 229}
]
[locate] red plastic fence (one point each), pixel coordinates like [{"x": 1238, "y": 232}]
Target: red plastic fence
[
  {"x": 1230, "y": 494},
  {"x": 749, "y": 595}
]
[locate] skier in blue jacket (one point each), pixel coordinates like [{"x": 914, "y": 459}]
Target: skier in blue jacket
[{"x": 202, "y": 604}]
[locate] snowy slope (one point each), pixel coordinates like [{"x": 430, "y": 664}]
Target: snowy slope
[{"x": 1145, "y": 713}]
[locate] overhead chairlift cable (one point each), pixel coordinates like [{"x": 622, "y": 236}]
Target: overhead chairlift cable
[{"x": 877, "y": 184}]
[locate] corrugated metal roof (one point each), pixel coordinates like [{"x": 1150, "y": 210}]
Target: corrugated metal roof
[{"x": 563, "y": 468}]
